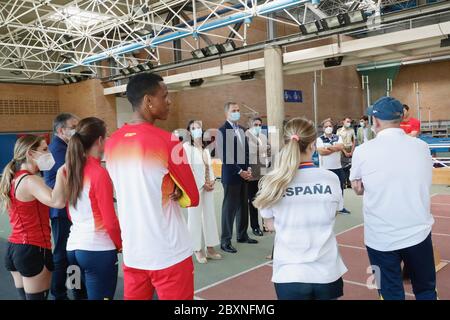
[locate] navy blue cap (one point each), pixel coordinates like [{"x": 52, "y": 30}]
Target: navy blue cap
[{"x": 386, "y": 108}]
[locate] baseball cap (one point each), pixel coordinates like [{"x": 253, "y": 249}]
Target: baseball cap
[{"x": 386, "y": 108}]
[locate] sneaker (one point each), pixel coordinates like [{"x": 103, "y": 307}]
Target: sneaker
[{"x": 344, "y": 211}]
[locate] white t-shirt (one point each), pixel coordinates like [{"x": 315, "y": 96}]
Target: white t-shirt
[
  {"x": 332, "y": 161},
  {"x": 365, "y": 134},
  {"x": 396, "y": 173},
  {"x": 305, "y": 245}
]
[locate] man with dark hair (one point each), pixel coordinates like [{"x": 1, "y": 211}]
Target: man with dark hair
[
  {"x": 152, "y": 179},
  {"x": 232, "y": 146},
  {"x": 63, "y": 128},
  {"x": 365, "y": 131},
  {"x": 410, "y": 125}
]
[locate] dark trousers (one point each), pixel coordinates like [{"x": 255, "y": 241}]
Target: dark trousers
[
  {"x": 252, "y": 190},
  {"x": 98, "y": 272},
  {"x": 310, "y": 291},
  {"x": 60, "y": 230},
  {"x": 235, "y": 205},
  {"x": 419, "y": 260},
  {"x": 340, "y": 173},
  {"x": 346, "y": 171}
]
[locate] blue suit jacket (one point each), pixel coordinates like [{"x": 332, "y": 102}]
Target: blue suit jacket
[
  {"x": 58, "y": 149},
  {"x": 232, "y": 160}
]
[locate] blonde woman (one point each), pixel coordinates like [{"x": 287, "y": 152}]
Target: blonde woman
[
  {"x": 202, "y": 219},
  {"x": 27, "y": 199},
  {"x": 299, "y": 202}
]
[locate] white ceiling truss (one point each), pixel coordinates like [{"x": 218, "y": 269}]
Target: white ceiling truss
[
  {"x": 422, "y": 42},
  {"x": 46, "y": 40}
]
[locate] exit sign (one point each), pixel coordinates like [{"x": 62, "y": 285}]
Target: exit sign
[{"x": 293, "y": 96}]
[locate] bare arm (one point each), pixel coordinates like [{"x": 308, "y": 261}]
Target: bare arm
[
  {"x": 337, "y": 147},
  {"x": 358, "y": 187},
  {"x": 354, "y": 145},
  {"x": 324, "y": 151},
  {"x": 55, "y": 198},
  {"x": 269, "y": 224}
]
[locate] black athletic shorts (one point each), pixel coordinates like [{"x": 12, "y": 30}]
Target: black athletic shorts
[{"x": 27, "y": 259}]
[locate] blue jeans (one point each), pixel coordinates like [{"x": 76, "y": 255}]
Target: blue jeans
[
  {"x": 60, "y": 231},
  {"x": 98, "y": 272},
  {"x": 419, "y": 261},
  {"x": 310, "y": 291}
]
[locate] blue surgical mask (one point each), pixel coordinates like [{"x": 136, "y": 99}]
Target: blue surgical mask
[
  {"x": 256, "y": 131},
  {"x": 235, "y": 116},
  {"x": 196, "y": 133}
]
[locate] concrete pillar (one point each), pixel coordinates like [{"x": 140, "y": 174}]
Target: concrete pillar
[{"x": 273, "y": 63}]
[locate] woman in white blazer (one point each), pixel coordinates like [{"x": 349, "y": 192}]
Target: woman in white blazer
[{"x": 202, "y": 219}]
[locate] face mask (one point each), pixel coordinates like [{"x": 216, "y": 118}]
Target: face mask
[
  {"x": 235, "y": 116},
  {"x": 347, "y": 125},
  {"x": 362, "y": 124},
  {"x": 196, "y": 133},
  {"x": 71, "y": 133},
  {"x": 256, "y": 131},
  {"x": 328, "y": 130},
  {"x": 45, "y": 161}
]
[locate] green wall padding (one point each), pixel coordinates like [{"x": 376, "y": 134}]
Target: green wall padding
[{"x": 378, "y": 78}]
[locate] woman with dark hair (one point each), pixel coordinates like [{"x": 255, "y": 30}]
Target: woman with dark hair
[
  {"x": 27, "y": 198},
  {"x": 259, "y": 154},
  {"x": 94, "y": 238},
  {"x": 202, "y": 219}
]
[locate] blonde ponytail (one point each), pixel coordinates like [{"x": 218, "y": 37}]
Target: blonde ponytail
[
  {"x": 21, "y": 148},
  {"x": 5, "y": 184},
  {"x": 299, "y": 133}
]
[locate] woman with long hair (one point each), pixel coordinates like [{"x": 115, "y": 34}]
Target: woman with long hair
[
  {"x": 300, "y": 202},
  {"x": 27, "y": 198},
  {"x": 94, "y": 238},
  {"x": 202, "y": 219}
]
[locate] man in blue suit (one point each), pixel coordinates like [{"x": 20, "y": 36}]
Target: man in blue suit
[
  {"x": 63, "y": 128},
  {"x": 233, "y": 149}
]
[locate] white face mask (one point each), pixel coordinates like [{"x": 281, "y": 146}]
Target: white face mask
[
  {"x": 347, "y": 124},
  {"x": 71, "y": 133},
  {"x": 328, "y": 130},
  {"x": 196, "y": 133},
  {"x": 362, "y": 124},
  {"x": 45, "y": 161}
]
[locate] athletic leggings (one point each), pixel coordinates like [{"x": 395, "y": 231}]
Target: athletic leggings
[{"x": 98, "y": 271}]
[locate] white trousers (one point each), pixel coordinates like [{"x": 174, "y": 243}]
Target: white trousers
[{"x": 202, "y": 221}]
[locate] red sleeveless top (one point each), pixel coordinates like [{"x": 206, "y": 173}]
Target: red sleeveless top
[{"x": 30, "y": 222}]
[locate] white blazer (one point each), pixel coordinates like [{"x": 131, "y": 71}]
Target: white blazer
[{"x": 195, "y": 159}]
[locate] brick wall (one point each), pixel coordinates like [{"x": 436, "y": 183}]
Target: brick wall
[
  {"x": 86, "y": 99},
  {"x": 12, "y": 94},
  {"x": 434, "y": 87},
  {"x": 83, "y": 99},
  {"x": 339, "y": 95}
]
